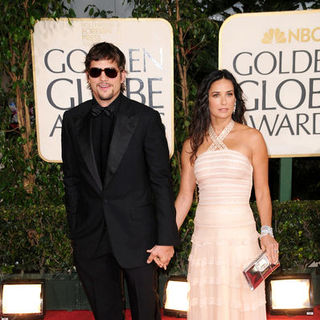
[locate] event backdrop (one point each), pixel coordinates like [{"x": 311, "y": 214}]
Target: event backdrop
[
  {"x": 276, "y": 58},
  {"x": 59, "y": 49}
]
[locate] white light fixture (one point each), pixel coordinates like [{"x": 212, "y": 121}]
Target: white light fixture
[
  {"x": 176, "y": 302},
  {"x": 22, "y": 299},
  {"x": 291, "y": 294}
]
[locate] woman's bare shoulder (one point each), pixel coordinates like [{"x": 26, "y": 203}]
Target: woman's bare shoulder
[{"x": 248, "y": 132}]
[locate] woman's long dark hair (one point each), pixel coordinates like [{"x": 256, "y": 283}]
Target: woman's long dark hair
[{"x": 201, "y": 114}]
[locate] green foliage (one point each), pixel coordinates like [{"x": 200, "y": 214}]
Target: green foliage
[
  {"x": 18, "y": 163},
  {"x": 296, "y": 225},
  {"x": 48, "y": 184},
  {"x": 95, "y": 12},
  {"x": 33, "y": 239},
  {"x": 223, "y": 6}
]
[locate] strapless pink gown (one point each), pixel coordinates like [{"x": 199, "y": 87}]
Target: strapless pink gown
[{"x": 224, "y": 241}]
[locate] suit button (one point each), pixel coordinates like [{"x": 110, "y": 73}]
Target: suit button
[{"x": 106, "y": 201}]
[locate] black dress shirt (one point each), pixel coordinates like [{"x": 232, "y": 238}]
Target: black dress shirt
[{"x": 103, "y": 120}]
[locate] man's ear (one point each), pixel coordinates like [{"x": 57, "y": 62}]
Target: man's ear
[{"x": 123, "y": 75}]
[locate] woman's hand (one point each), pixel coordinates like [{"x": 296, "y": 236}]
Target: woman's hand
[
  {"x": 161, "y": 255},
  {"x": 271, "y": 246}
]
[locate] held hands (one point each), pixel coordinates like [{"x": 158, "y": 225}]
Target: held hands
[
  {"x": 161, "y": 255},
  {"x": 271, "y": 246}
]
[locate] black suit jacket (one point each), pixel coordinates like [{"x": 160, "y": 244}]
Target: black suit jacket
[{"x": 136, "y": 200}]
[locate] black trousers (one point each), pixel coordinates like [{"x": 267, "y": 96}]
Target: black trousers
[{"x": 102, "y": 279}]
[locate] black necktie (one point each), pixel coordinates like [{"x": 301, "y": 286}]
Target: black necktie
[{"x": 97, "y": 110}]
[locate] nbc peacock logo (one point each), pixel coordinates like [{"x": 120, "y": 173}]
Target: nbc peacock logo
[{"x": 275, "y": 35}]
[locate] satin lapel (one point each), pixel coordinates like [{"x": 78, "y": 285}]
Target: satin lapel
[
  {"x": 86, "y": 147},
  {"x": 125, "y": 126}
]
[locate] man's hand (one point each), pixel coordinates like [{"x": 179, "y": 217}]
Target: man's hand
[{"x": 161, "y": 255}]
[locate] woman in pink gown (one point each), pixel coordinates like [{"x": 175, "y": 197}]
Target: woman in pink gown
[{"x": 222, "y": 157}]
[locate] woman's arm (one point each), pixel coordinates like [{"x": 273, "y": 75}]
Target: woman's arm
[
  {"x": 262, "y": 192},
  {"x": 187, "y": 185}
]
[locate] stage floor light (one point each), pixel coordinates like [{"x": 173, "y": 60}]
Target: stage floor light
[
  {"x": 176, "y": 302},
  {"x": 22, "y": 299},
  {"x": 291, "y": 294}
]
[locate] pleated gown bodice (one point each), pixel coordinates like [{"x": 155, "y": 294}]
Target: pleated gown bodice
[{"x": 223, "y": 177}]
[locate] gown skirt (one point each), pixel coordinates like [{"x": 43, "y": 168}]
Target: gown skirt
[{"x": 224, "y": 242}]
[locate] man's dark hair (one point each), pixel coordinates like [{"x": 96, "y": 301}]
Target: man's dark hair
[{"x": 105, "y": 50}]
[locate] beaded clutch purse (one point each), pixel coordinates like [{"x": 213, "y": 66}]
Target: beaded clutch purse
[{"x": 258, "y": 270}]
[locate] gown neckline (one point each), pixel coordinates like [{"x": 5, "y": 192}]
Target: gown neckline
[{"x": 217, "y": 141}]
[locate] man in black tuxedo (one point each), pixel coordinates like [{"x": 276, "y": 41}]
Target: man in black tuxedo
[{"x": 119, "y": 199}]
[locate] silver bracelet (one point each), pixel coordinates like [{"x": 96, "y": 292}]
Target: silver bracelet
[{"x": 266, "y": 230}]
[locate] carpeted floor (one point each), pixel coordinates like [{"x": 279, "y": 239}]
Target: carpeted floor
[
  {"x": 83, "y": 315},
  {"x": 87, "y": 315}
]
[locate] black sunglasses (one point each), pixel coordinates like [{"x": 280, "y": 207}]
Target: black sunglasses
[{"x": 109, "y": 72}]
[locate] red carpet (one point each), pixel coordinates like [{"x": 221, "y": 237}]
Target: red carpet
[
  {"x": 84, "y": 315},
  {"x": 87, "y": 315}
]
